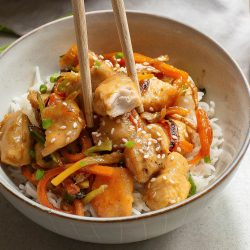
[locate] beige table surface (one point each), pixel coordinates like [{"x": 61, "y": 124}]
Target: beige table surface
[{"x": 226, "y": 223}]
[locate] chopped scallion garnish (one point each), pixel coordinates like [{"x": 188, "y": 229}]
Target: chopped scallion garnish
[
  {"x": 207, "y": 159},
  {"x": 119, "y": 55},
  {"x": 39, "y": 174},
  {"x": 54, "y": 77},
  {"x": 192, "y": 190},
  {"x": 129, "y": 144},
  {"x": 43, "y": 88},
  {"x": 97, "y": 64},
  {"x": 46, "y": 123},
  {"x": 91, "y": 195}
]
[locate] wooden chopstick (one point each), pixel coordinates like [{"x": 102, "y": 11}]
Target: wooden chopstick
[
  {"x": 125, "y": 40},
  {"x": 82, "y": 46}
]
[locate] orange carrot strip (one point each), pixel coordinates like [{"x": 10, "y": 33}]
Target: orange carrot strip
[
  {"x": 165, "y": 68},
  {"x": 196, "y": 159},
  {"x": 186, "y": 147},
  {"x": 205, "y": 132},
  {"x": 29, "y": 175},
  {"x": 42, "y": 187},
  {"x": 98, "y": 170}
]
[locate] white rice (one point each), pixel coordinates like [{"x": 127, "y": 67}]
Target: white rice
[{"x": 202, "y": 174}]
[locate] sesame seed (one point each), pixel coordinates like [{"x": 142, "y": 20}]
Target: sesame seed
[
  {"x": 146, "y": 156},
  {"x": 112, "y": 131},
  {"x": 69, "y": 132},
  {"x": 98, "y": 134},
  {"x": 115, "y": 145},
  {"x": 158, "y": 133},
  {"x": 158, "y": 148},
  {"x": 139, "y": 129},
  {"x": 151, "y": 109},
  {"x": 144, "y": 132},
  {"x": 75, "y": 125},
  {"x": 65, "y": 103},
  {"x": 149, "y": 143},
  {"x": 101, "y": 57},
  {"x": 99, "y": 143},
  {"x": 159, "y": 139},
  {"x": 178, "y": 149},
  {"x": 186, "y": 134},
  {"x": 163, "y": 156},
  {"x": 53, "y": 140},
  {"x": 95, "y": 116},
  {"x": 171, "y": 181},
  {"x": 149, "y": 127},
  {"x": 124, "y": 140},
  {"x": 63, "y": 127},
  {"x": 174, "y": 137},
  {"x": 79, "y": 119},
  {"x": 172, "y": 158},
  {"x": 164, "y": 177},
  {"x": 153, "y": 179},
  {"x": 145, "y": 63},
  {"x": 94, "y": 133},
  {"x": 118, "y": 59},
  {"x": 117, "y": 65},
  {"x": 158, "y": 156}
]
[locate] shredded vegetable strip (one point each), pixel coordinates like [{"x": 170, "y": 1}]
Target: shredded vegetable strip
[
  {"x": 98, "y": 170},
  {"x": 100, "y": 159},
  {"x": 91, "y": 195},
  {"x": 29, "y": 175},
  {"x": 42, "y": 187},
  {"x": 177, "y": 110},
  {"x": 205, "y": 132},
  {"x": 195, "y": 160}
]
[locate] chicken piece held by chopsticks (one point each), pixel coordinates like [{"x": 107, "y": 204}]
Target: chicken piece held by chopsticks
[{"x": 116, "y": 96}]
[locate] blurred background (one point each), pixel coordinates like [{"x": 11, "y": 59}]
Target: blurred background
[
  {"x": 227, "y": 21},
  {"x": 226, "y": 224}
]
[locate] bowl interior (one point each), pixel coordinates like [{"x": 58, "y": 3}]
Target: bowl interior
[{"x": 208, "y": 65}]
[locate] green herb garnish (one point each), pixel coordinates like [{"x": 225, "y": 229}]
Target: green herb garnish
[
  {"x": 129, "y": 144},
  {"x": 62, "y": 85},
  {"x": 46, "y": 123},
  {"x": 207, "y": 159},
  {"x": 43, "y": 88},
  {"x": 97, "y": 64},
  {"x": 54, "y": 77},
  {"x": 192, "y": 190},
  {"x": 119, "y": 55},
  {"x": 40, "y": 102},
  {"x": 39, "y": 174}
]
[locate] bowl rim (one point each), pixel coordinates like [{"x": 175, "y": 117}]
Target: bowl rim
[{"x": 215, "y": 184}]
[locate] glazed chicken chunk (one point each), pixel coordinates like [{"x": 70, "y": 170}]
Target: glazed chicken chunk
[
  {"x": 170, "y": 186},
  {"x": 116, "y": 96},
  {"x": 158, "y": 95},
  {"x": 15, "y": 141},
  {"x": 66, "y": 125}
]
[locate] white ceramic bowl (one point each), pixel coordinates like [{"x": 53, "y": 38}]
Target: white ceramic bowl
[{"x": 208, "y": 64}]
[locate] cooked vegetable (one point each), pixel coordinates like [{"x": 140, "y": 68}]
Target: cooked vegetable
[
  {"x": 39, "y": 174},
  {"x": 129, "y": 144},
  {"x": 205, "y": 132},
  {"x": 43, "y": 89},
  {"x": 42, "y": 187},
  {"x": 98, "y": 170},
  {"x": 192, "y": 190},
  {"x": 104, "y": 146},
  {"x": 94, "y": 193},
  {"x": 46, "y": 123},
  {"x": 54, "y": 77},
  {"x": 207, "y": 159},
  {"x": 103, "y": 159}
]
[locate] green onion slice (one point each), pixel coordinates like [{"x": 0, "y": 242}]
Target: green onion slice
[
  {"x": 46, "y": 123},
  {"x": 129, "y": 144},
  {"x": 43, "y": 88},
  {"x": 91, "y": 195},
  {"x": 105, "y": 146},
  {"x": 119, "y": 55},
  {"x": 39, "y": 174},
  {"x": 192, "y": 190}
]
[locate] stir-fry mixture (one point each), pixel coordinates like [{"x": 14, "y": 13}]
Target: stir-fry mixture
[{"x": 100, "y": 168}]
